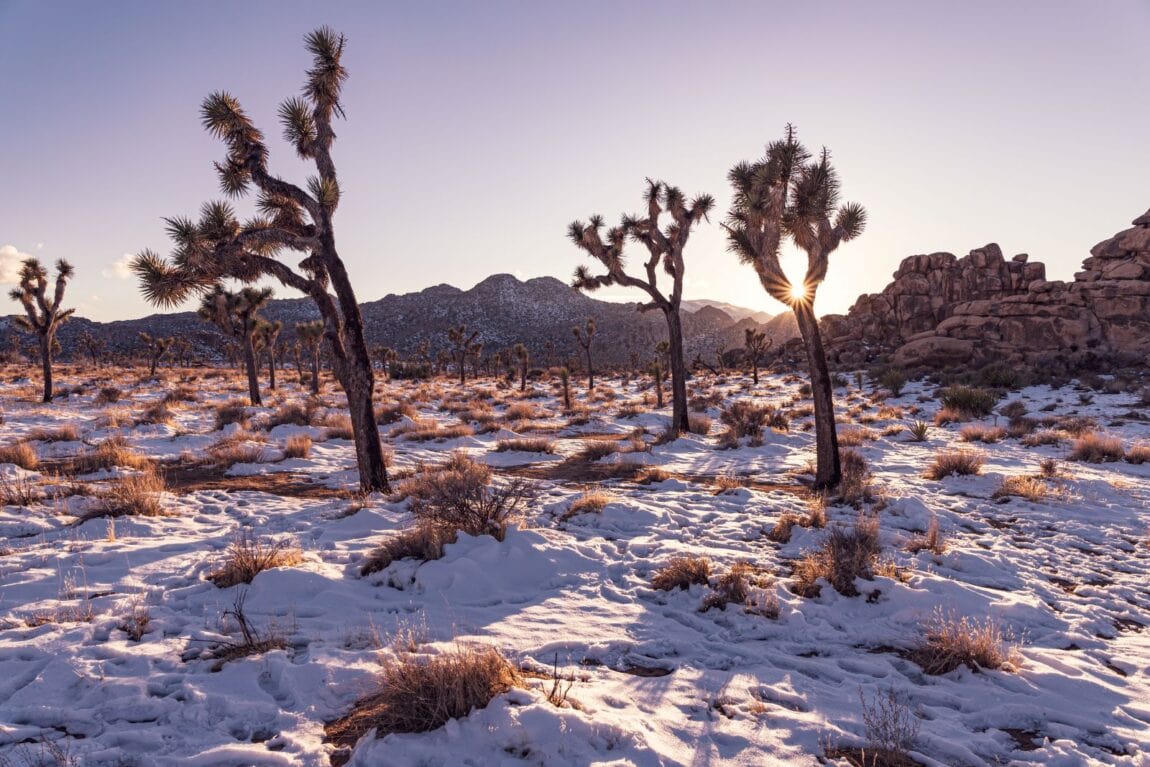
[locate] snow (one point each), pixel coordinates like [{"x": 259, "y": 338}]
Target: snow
[{"x": 1066, "y": 575}]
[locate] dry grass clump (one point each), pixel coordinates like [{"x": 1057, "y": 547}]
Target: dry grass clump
[
  {"x": 698, "y": 423},
  {"x": 66, "y": 433},
  {"x": 20, "y": 491},
  {"x": 781, "y": 532},
  {"x": 139, "y": 494},
  {"x": 459, "y": 497},
  {"x": 725, "y": 483},
  {"x": 856, "y": 436},
  {"x": 338, "y": 426},
  {"x": 113, "y": 451},
  {"x": 590, "y": 502},
  {"x": 1097, "y": 448},
  {"x": 421, "y": 541},
  {"x": 420, "y": 693},
  {"x": 522, "y": 411},
  {"x": 438, "y": 432},
  {"x": 968, "y": 401},
  {"x": 950, "y": 641},
  {"x": 297, "y": 446},
  {"x": 681, "y": 573},
  {"x": 156, "y": 414},
  {"x": 232, "y": 411},
  {"x": 108, "y": 394},
  {"x": 1139, "y": 453},
  {"x": 182, "y": 393},
  {"x": 1042, "y": 437},
  {"x": 977, "y": 432},
  {"x": 236, "y": 448},
  {"x": 844, "y": 556},
  {"x": 594, "y": 449},
  {"x": 650, "y": 475},
  {"x": 20, "y": 453},
  {"x": 292, "y": 413},
  {"x": 745, "y": 418},
  {"x": 960, "y": 462},
  {"x": 932, "y": 541},
  {"x": 736, "y": 586},
  {"x": 386, "y": 414},
  {"x": 1076, "y": 425},
  {"x": 1031, "y": 488},
  {"x": 247, "y": 556},
  {"x": 531, "y": 445}
]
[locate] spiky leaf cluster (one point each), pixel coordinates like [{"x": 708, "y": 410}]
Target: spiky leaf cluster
[{"x": 42, "y": 312}]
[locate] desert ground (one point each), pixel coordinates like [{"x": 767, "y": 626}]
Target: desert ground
[{"x": 185, "y": 580}]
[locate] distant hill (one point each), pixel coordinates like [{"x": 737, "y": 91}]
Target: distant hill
[
  {"x": 734, "y": 312},
  {"x": 538, "y": 312}
]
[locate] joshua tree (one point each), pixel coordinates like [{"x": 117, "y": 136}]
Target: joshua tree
[
  {"x": 297, "y": 358},
  {"x": 787, "y": 193},
  {"x": 523, "y": 357},
  {"x": 92, "y": 346},
  {"x": 156, "y": 349},
  {"x": 465, "y": 346},
  {"x": 565, "y": 380},
  {"x": 237, "y": 315},
  {"x": 44, "y": 315},
  {"x": 292, "y": 218},
  {"x": 665, "y": 248},
  {"x": 310, "y": 335},
  {"x": 585, "y": 340},
  {"x": 387, "y": 358},
  {"x": 755, "y": 344},
  {"x": 267, "y": 336}
]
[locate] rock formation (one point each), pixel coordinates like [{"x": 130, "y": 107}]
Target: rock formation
[{"x": 981, "y": 309}]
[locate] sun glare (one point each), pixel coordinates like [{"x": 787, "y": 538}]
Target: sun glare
[{"x": 798, "y": 291}]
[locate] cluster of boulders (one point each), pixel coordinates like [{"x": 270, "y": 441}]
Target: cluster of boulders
[{"x": 942, "y": 311}]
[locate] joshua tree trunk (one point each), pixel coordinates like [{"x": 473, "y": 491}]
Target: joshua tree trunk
[
  {"x": 271, "y": 370},
  {"x": 755, "y": 370},
  {"x": 590, "y": 370},
  {"x": 253, "y": 370},
  {"x": 826, "y": 439},
  {"x": 46, "y": 363},
  {"x": 315, "y": 371},
  {"x": 679, "y": 418}
]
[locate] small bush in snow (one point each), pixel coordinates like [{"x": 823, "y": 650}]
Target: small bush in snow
[
  {"x": 590, "y": 502},
  {"x": 1139, "y": 453},
  {"x": 681, "y": 572},
  {"x": 1031, "y": 488},
  {"x": 139, "y": 494},
  {"x": 248, "y": 556},
  {"x": 950, "y": 641},
  {"x": 533, "y": 445},
  {"x": 969, "y": 401},
  {"x": 982, "y": 433},
  {"x": 422, "y": 541},
  {"x": 932, "y": 541},
  {"x": 844, "y": 556},
  {"x": 297, "y": 446},
  {"x": 460, "y": 497},
  {"x": 22, "y": 454},
  {"x": 961, "y": 462},
  {"x": 1097, "y": 448}
]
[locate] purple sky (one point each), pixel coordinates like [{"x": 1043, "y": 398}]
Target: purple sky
[{"x": 477, "y": 131}]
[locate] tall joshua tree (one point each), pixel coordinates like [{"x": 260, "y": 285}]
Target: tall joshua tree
[
  {"x": 585, "y": 339},
  {"x": 787, "y": 193},
  {"x": 292, "y": 218},
  {"x": 463, "y": 345},
  {"x": 43, "y": 313},
  {"x": 237, "y": 315},
  {"x": 310, "y": 334},
  {"x": 156, "y": 348},
  {"x": 523, "y": 357},
  {"x": 665, "y": 249},
  {"x": 755, "y": 344}
]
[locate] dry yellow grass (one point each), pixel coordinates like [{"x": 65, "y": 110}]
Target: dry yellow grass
[
  {"x": 960, "y": 462},
  {"x": 681, "y": 572},
  {"x": 297, "y": 446},
  {"x": 1031, "y": 488},
  {"x": 950, "y": 641},
  {"x": 1093, "y": 447},
  {"x": 21, "y": 454},
  {"x": 247, "y": 556}
]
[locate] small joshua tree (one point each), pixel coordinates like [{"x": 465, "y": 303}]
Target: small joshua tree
[
  {"x": 310, "y": 335},
  {"x": 665, "y": 248},
  {"x": 585, "y": 339},
  {"x": 387, "y": 358},
  {"x": 43, "y": 313},
  {"x": 156, "y": 348},
  {"x": 93, "y": 347},
  {"x": 523, "y": 357},
  {"x": 789, "y": 194},
  {"x": 267, "y": 338},
  {"x": 755, "y": 344},
  {"x": 237, "y": 315},
  {"x": 465, "y": 346},
  {"x": 292, "y": 218}
]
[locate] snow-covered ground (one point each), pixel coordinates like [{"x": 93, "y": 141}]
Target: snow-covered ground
[{"x": 656, "y": 680}]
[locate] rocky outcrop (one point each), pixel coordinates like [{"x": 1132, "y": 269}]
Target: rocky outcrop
[
  {"x": 1101, "y": 317},
  {"x": 925, "y": 291}
]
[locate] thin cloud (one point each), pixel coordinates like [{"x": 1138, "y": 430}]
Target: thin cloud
[
  {"x": 120, "y": 269},
  {"x": 10, "y": 259}
]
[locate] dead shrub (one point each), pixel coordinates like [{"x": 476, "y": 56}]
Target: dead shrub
[
  {"x": 651, "y": 475},
  {"x": 522, "y": 411},
  {"x": 594, "y": 449},
  {"x": 725, "y": 483},
  {"x": 747, "y": 419},
  {"x": 247, "y": 556},
  {"x": 67, "y": 433},
  {"x": 21, "y": 454},
  {"x": 781, "y": 532},
  {"x": 236, "y": 448},
  {"x": 137, "y": 622},
  {"x": 232, "y": 411},
  {"x": 1032, "y": 489},
  {"x": 732, "y": 586},
  {"x": 854, "y": 487},
  {"x": 532, "y": 445},
  {"x": 1139, "y": 453},
  {"x": 891, "y": 730},
  {"x": 590, "y": 502},
  {"x": 387, "y": 414},
  {"x": 982, "y": 433},
  {"x": 1042, "y": 437},
  {"x": 460, "y": 497},
  {"x": 681, "y": 573},
  {"x": 156, "y": 414},
  {"x": 844, "y": 556},
  {"x": 113, "y": 451},
  {"x": 182, "y": 393},
  {"x": 108, "y": 395},
  {"x": 420, "y": 693},
  {"x": 855, "y": 436},
  {"x": 297, "y": 446},
  {"x": 950, "y": 641},
  {"x": 20, "y": 491},
  {"x": 292, "y": 413},
  {"x": 338, "y": 426},
  {"x": 960, "y": 462},
  {"x": 439, "y": 433},
  {"x": 698, "y": 423},
  {"x": 1097, "y": 448},
  {"x": 421, "y": 541}
]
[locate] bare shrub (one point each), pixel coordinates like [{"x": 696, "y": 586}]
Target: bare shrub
[
  {"x": 960, "y": 462},
  {"x": 969, "y": 401},
  {"x": 1042, "y": 437},
  {"x": 733, "y": 586},
  {"x": 854, "y": 487},
  {"x": 21, "y": 454},
  {"x": 781, "y": 532},
  {"x": 932, "y": 541},
  {"x": 681, "y": 572},
  {"x": 232, "y": 411},
  {"x": 746, "y": 418},
  {"x": 594, "y": 449},
  {"x": 386, "y": 414},
  {"x": 522, "y": 411},
  {"x": 113, "y": 451},
  {"x": 421, "y": 541},
  {"x": 855, "y": 436},
  {"x": 251, "y": 642},
  {"x": 292, "y": 413},
  {"x": 137, "y": 622},
  {"x": 891, "y": 728},
  {"x": 439, "y": 433},
  {"x": 532, "y": 445},
  {"x": 297, "y": 446},
  {"x": 20, "y": 491},
  {"x": 590, "y": 502},
  {"x": 108, "y": 395},
  {"x": 338, "y": 426},
  {"x": 844, "y": 556},
  {"x": 1139, "y": 453},
  {"x": 139, "y": 494},
  {"x": 236, "y": 448},
  {"x": 982, "y": 433},
  {"x": 697, "y": 423},
  {"x": 182, "y": 393},
  {"x": 1031, "y": 488},
  {"x": 1013, "y": 409},
  {"x": 950, "y": 641},
  {"x": 460, "y": 497},
  {"x": 1097, "y": 448},
  {"x": 156, "y": 414},
  {"x": 247, "y": 556},
  {"x": 67, "y": 433},
  {"x": 725, "y": 483},
  {"x": 653, "y": 474}
]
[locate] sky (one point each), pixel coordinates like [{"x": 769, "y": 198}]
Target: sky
[{"x": 477, "y": 131}]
